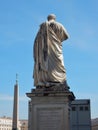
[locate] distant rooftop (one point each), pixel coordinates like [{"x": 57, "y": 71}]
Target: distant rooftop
[
  {"x": 95, "y": 122},
  {"x": 5, "y": 117}
]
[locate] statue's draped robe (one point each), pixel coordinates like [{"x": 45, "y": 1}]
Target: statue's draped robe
[{"x": 49, "y": 67}]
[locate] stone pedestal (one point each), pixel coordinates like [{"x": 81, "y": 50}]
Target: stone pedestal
[{"x": 49, "y": 110}]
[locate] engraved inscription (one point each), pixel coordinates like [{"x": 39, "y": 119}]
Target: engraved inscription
[{"x": 50, "y": 119}]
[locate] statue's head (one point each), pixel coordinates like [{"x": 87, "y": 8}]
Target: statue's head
[{"x": 51, "y": 16}]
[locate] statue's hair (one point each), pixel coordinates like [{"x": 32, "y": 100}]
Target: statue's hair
[{"x": 51, "y": 16}]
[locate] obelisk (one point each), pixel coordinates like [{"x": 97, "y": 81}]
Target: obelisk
[{"x": 15, "y": 107}]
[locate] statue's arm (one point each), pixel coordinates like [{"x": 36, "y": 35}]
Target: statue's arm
[{"x": 65, "y": 34}]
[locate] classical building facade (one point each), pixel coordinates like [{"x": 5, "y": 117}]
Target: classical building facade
[
  {"x": 23, "y": 125},
  {"x": 6, "y": 124}
]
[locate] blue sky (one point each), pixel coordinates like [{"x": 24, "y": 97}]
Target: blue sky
[{"x": 19, "y": 23}]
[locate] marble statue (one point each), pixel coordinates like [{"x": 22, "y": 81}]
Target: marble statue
[{"x": 48, "y": 57}]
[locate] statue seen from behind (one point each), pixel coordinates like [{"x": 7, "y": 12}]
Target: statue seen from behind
[{"x": 49, "y": 67}]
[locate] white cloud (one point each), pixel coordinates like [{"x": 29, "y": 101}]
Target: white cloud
[
  {"x": 6, "y": 97},
  {"x": 10, "y": 98}
]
